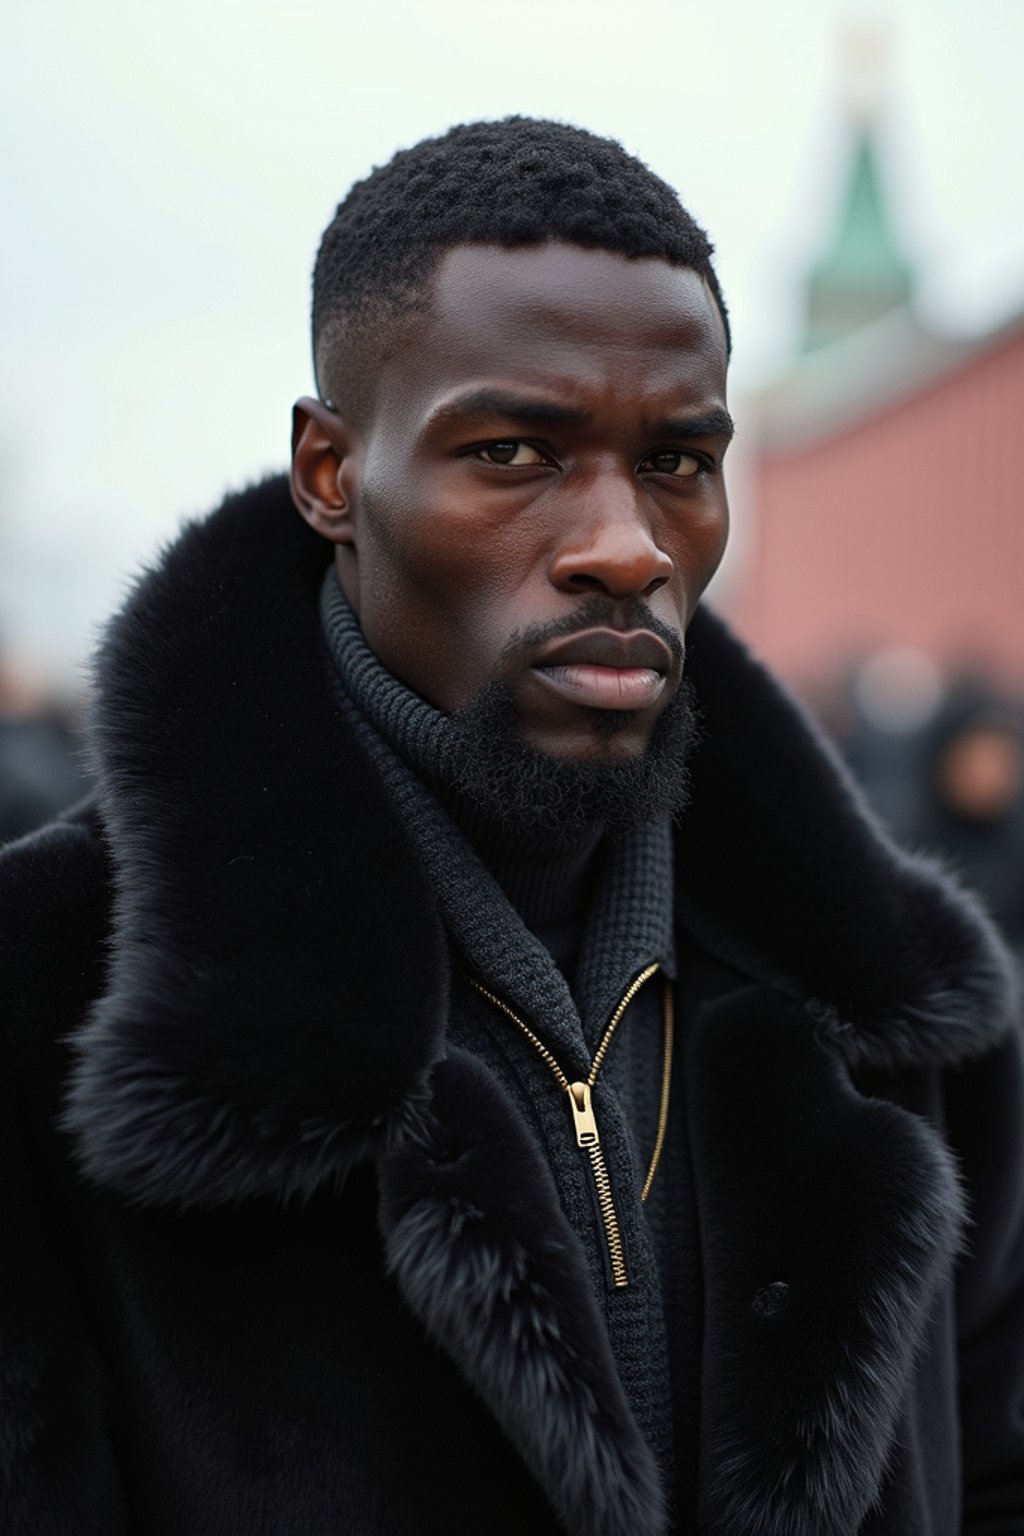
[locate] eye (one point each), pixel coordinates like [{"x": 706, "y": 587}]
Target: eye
[
  {"x": 510, "y": 451},
  {"x": 672, "y": 461}
]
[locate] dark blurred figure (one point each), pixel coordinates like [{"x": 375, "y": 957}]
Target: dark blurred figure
[
  {"x": 879, "y": 710},
  {"x": 971, "y": 805},
  {"x": 40, "y": 772}
]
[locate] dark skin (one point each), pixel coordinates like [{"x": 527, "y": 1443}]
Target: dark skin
[{"x": 552, "y": 429}]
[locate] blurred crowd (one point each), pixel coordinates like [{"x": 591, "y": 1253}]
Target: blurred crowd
[
  {"x": 941, "y": 759},
  {"x": 42, "y": 769}
]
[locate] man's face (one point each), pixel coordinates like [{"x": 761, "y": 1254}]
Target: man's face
[{"x": 536, "y": 498}]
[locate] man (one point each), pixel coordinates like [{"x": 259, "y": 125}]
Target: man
[{"x": 465, "y": 1074}]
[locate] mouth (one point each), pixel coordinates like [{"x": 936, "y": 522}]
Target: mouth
[{"x": 607, "y": 669}]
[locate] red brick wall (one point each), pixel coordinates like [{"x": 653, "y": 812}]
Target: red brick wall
[{"x": 907, "y": 528}]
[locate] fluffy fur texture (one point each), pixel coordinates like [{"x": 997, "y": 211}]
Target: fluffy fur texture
[
  {"x": 271, "y": 1013},
  {"x": 469, "y": 1209},
  {"x": 254, "y": 1033},
  {"x": 898, "y": 965},
  {"x": 827, "y": 1298},
  {"x": 250, "y": 1048}
]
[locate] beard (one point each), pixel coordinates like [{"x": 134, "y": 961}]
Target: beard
[{"x": 559, "y": 801}]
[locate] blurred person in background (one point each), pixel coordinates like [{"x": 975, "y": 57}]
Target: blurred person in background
[
  {"x": 942, "y": 762},
  {"x": 40, "y": 772},
  {"x": 876, "y": 709},
  {"x": 357, "y": 1176},
  {"x": 970, "y": 804}
]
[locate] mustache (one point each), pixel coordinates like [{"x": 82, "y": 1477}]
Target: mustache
[{"x": 597, "y": 612}]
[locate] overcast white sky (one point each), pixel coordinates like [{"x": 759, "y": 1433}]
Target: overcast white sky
[{"x": 167, "y": 169}]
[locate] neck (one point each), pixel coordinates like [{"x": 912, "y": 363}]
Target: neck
[{"x": 546, "y": 884}]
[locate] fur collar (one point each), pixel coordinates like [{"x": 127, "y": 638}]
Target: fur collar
[
  {"x": 278, "y": 980},
  {"x": 275, "y": 1009},
  {"x": 797, "y": 885}
]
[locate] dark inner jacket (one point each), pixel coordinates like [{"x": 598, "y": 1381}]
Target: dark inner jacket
[{"x": 281, "y": 1258}]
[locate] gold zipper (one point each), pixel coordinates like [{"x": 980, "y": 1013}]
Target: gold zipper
[{"x": 584, "y": 1119}]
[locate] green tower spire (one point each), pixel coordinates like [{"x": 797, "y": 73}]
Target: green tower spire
[{"x": 863, "y": 274}]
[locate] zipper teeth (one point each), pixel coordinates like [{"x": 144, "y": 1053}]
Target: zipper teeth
[
  {"x": 538, "y": 1044},
  {"x": 598, "y": 1166},
  {"x": 606, "y": 1039},
  {"x": 616, "y": 1020},
  {"x": 666, "y": 1087},
  {"x": 609, "y": 1217}
]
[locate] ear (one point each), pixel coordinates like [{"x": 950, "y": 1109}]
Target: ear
[{"x": 324, "y": 475}]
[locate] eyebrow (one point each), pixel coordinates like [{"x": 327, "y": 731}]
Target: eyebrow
[
  {"x": 495, "y": 402},
  {"x": 548, "y": 413},
  {"x": 712, "y": 424}
]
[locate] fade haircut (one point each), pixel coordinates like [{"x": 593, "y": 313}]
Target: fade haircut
[{"x": 517, "y": 182}]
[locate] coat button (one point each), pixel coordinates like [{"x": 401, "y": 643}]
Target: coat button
[{"x": 771, "y": 1299}]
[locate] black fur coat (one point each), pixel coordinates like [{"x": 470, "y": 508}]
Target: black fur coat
[{"x": 276, "y": 1264}]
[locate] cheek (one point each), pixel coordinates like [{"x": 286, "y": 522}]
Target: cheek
[
  {"x": 440, "y": 543},
  {"x": 434, "y": 590},
  {"x": 697, "y": 547},
  {"x": 717, "y": 537}
]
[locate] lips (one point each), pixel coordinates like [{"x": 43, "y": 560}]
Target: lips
[{"x": 606, "y": 669}]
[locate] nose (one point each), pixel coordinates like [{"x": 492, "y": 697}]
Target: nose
[{"x": 608, "y": 545}]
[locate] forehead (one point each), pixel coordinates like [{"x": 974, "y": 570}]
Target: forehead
[{"x": 562, "y": 318}]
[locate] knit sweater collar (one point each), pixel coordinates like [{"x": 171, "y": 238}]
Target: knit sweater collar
[
  {"x": 620, "y": 892},
  {"x": 546, "y": 885}
]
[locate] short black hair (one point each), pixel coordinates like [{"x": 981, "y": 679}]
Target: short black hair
[{"x": 520, "y": 181}]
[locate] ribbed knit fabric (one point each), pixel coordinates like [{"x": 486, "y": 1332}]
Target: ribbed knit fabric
[
  {"x": 628, "y": 925},
  {"x": 550, "y": 887}
]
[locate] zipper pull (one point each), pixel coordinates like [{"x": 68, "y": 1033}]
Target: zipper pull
[
  {"x": 583, "y": 1115},
  {"x": 587, "y": 1138}
]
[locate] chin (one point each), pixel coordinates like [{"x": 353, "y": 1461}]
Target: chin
[
  {"x": 605, "y": 736},
  {"x": 559, "y": 779},
  {"x": 599, "y": 736}
]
